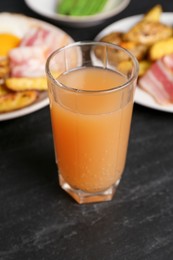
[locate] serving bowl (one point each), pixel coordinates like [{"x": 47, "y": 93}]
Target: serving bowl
[{"x": 47, "y": 9}]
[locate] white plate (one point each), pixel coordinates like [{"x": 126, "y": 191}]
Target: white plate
[
  {"x": 47, "y": 9},
  {"x": 19, "y": 25},
  {"x": 141, "y": 97}
]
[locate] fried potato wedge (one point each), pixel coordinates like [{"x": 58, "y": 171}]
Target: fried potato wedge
[
  {"x": 113, "y": 37},
  {"x": 138, "y": 50},
  {"x": 148, "y": 32},
  {"x": 17, "y": 100},
  {"x": 4, "y": 68},
  {"x": 144, "y": 65},
  {"x": 4, "y": 61},
  {"x": 153, "y": 14},
  {"x": 4, "y": 72},
  {"x": 149, "y": 29},
  {"x": 161, "y": 48},
  {"x": 125, "y": 66},
  {"x": 4, "y": 91},
  {"x": 21, "y": 84}
]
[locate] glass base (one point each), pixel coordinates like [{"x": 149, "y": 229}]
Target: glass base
[{"x": 84, "y": 197}]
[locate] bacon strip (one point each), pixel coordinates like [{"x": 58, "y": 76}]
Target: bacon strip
[
  {"x": 158, "y": 80},
  {"x": 35, "y": 37},
  {"x": 44, "y": 37},
  {"x": 168, "y": 61},
  {"x": 28, "y": 60}
]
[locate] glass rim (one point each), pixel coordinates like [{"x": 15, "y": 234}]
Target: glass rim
[{"x": 94, "y": 43}]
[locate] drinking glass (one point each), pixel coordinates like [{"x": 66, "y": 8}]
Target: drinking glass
[{"x": 91, "y": 89}]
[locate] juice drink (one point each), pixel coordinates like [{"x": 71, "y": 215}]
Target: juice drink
[{"x": 91, "y": 130}]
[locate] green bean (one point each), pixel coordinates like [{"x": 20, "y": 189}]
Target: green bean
[
  {"x": 65, "y": 6},
  {"x": 88, "y": 8},
  {"x": 98, "y": 6},
  {"x": 80, "y": 7}
]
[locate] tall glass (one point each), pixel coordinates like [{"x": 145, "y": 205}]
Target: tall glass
[{"x": 91, "y": 89}]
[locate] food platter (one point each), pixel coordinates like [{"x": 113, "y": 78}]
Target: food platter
[
  {"x": 19, "y": 25},
  {"x": 141, "y": 97},
  {"x": 47, "y": 9}
]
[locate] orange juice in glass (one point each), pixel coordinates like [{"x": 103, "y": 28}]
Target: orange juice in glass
[{"x": 91, "y": 103}]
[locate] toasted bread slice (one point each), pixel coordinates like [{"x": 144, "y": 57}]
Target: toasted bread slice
[
  {"x": 21, "y": 84},
  {"x": 17, "y": 100}
]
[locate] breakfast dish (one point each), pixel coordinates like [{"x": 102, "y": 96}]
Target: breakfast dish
[
  {"x": 25, "y": 45},
  {"x": 149, "y": 37}
]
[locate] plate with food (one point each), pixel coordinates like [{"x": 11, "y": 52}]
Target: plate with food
[
  {"x": 25, "y": 45},
  {"x": 80, "y": 13},
  {"x": 150, "y": 38}
]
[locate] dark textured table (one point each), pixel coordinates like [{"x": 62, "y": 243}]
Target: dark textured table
[{"x": 40, "y": 221}]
